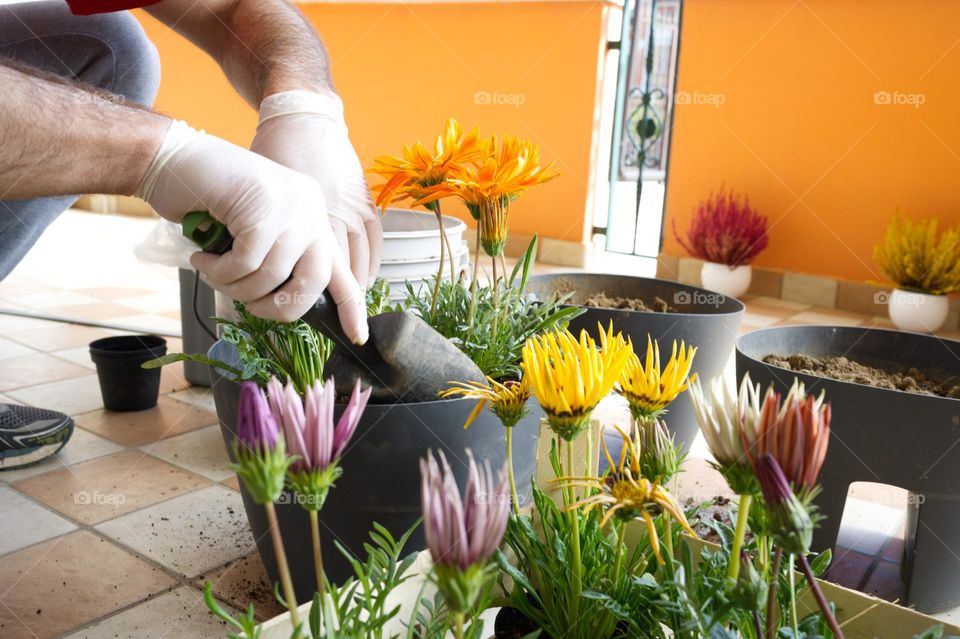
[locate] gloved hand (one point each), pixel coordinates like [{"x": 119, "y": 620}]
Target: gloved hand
[
  {"x": 284, "y": 252},
  {"x": 305, "y": 131}
]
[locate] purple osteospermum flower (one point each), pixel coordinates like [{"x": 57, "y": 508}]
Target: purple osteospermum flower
[
  {"x": 256, "y": 426},
  {"x": 462, "y": 532},
  {"x": 308, "y": 423}
]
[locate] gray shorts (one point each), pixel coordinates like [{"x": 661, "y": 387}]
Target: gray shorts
[{"x": 109, "y": 51}]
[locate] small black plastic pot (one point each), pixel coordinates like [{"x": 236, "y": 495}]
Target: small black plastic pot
[
  {"x": 884, "y": 436},
  {"x": 381, "y": 474},
  {"x": 707, "y": 320},
  {"x": 124, "y": 385}
]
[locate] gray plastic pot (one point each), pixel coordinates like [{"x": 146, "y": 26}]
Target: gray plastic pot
[
  {"x": 884, "y": 436},
  {"x": 708, "y": 321},
  {"x": 381, "y": 474}
]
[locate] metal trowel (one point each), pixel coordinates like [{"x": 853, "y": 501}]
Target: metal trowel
[{"x": 405, "y": 359}]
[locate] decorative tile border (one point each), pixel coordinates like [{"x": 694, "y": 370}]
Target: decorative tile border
[{"x": 817, "y": 290}]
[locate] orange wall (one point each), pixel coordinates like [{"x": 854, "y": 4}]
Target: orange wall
[
  {"x": 403, "y": 69},
  {"x": 799, "y": 131}
]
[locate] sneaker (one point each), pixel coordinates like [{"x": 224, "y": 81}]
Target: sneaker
[{"x": 28, "y": 435}]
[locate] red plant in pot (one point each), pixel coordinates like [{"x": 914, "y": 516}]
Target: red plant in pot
[{"x": 725, "y": 229}]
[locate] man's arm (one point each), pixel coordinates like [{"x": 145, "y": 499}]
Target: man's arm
[
  {"x": 59, "y": 138},
  {"x": 263, "y": 46}
]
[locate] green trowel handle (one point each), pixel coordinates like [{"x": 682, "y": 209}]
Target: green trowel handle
[
  {"x": 203, "y": 230},
  {"x": 213, "y": 237}
]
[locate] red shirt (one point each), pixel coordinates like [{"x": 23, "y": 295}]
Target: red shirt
[{"x": 89, "y": 7}]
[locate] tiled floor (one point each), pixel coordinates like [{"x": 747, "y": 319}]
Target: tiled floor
[{"x": 116, "y": 535}]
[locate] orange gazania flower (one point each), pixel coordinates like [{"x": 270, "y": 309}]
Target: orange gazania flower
[
  {"x": 486, "y": 185},
  {"x": 410, "y": 176}
]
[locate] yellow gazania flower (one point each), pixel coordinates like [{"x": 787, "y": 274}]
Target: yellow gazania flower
[
  {"x": 627, "y": 495},
  {"x": 410, "y": 176},
  {"x": 569, "y": 377},
  {"x": 507, "y": 400},
  {"x": 647, "y": 388}
]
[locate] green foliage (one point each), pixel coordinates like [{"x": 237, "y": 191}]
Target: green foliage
[{"x": 496, "y": 351}]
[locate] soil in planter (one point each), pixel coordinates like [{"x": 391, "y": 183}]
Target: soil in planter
[
  {"x": 912, "y": 380},
  {"x": 600, "y": 299}
]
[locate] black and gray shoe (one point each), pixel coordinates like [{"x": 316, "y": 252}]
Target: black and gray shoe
[{"x": 28, "y": 435}]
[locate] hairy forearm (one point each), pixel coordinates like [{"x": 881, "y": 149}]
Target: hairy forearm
[
  {"x": 263, "y": 46},
  {"x": 61, "y": 138}
]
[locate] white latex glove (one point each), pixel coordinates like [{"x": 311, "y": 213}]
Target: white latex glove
[
  {"x": 305, "y": 131},
  {"x": 284, "y": 252}
]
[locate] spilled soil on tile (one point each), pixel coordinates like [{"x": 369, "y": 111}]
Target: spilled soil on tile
[
  {"x": 911, "y": 380},
  {"x": 601, "y": 299},
  {"x": 720, "y": 510}
]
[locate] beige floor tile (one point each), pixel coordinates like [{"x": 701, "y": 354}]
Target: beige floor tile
[
  {"x": 118, "y": 294},
  {"x": 244, "y": 582},
  {"x": 700, "y": 482},
  {"x": 198, "y": 397},
  {"x": 151, "y": 323},
  {"x": 83, "y": 446},
  {"x": 58, "y": 337},
  {"x": 12, "y": 286},
  {"x": 866, "y": 526},
  {"x": 172, "y": 379},
  {"x": 180, "y": 613},
  {"x": 168, "y": 418},
  {"x": 15, "y": 323},
  {"x": 79, "y": 356},
  {"x": 24, "y": 522},
  {"x": 10, "y": 350},
  {"x": 38, "y": 368},
  {"x": 53, "y": 298},
  {"x": 201, "y": 451},
  {"x": 104, "y": 488},
  {"x": 63, "y": 583},
  {"x": 878, "y": 321},
  {"x": 877, "y": 493},
  {"x": 70, "y": 396},
  {"x": 95, "y": 311},
  {"x": 232, "y": 482},
  {"x": 759, "y": 319},
  {"x": 153, "y": 303},
  {"x": 191, "y": 534}
]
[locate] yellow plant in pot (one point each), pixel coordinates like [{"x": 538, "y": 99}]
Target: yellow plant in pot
[{"x": 924, "y": 264}]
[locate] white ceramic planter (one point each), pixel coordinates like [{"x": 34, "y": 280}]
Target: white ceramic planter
[
  {"x": 918, "y": 312},
  {"x": 415, "y": 235},
  {"x": 732, "y": 282}
]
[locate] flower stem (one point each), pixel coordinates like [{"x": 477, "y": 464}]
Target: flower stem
[
  {"x": 513, "y": 484},
  {"x": 618, "y": 562},
  {"x": 575, "y": 545},
  {"x": 443, "y": 246},
  {"x": 473, "y": 282},
  {"x": 791, "y": 575},
  {"x": 446, "y": 240},
  {"x": 281, "y": 555},
  {"x": 668, "y": 535},
  {"x": 317, "y": 552},
  {"x": 821, "y": 600},
  {"x": 772, "y": 594},
  {"x": 743, "y": 514},
  {"x": 496, "y": 298},
  {"x": 458, "y": 625}
]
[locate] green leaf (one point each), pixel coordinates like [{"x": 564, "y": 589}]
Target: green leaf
[
  {"x": 821, "y": 563},
  {"x": 170, "y": 358}
]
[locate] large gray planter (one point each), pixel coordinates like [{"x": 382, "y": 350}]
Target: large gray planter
[
  {"x": 885, "y": 436},
  {"x": 707, "y": 320},
  {"x": 381, "y": 474}
]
